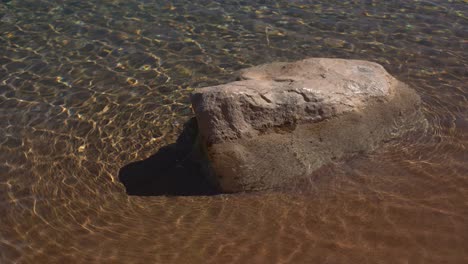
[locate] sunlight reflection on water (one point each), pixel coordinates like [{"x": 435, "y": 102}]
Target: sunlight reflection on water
[{"x": 89, "y": 86}]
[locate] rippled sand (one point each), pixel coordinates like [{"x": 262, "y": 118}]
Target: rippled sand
[{"x": 87, "y": 87}]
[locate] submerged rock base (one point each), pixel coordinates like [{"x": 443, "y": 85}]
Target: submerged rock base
[{"x": 285, "y": 120}]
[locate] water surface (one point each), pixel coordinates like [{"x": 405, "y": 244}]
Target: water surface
[{"x": 87, "y": 87}]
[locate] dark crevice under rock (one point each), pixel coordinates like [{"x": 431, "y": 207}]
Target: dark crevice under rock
[{"x": 176, "y": 169}]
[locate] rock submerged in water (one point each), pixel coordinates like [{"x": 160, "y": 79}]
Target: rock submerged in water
[{"x": 282, "y": 121}]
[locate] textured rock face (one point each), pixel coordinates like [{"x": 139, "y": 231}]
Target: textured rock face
[{"x": 285, "y": 120}]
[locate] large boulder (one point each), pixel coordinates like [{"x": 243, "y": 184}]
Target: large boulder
[{"x": 282, "y": 121}]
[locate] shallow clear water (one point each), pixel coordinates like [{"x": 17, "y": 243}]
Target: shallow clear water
[{"x": 87, "y": 87}]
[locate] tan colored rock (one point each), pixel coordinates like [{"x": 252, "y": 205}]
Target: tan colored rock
[{"x": 285, "y": 120}]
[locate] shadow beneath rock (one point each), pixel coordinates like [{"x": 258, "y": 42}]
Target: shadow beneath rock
[{"x": 175, "y": 169}]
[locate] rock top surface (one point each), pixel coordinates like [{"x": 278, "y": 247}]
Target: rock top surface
[{"x": 278, "y": 94}]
